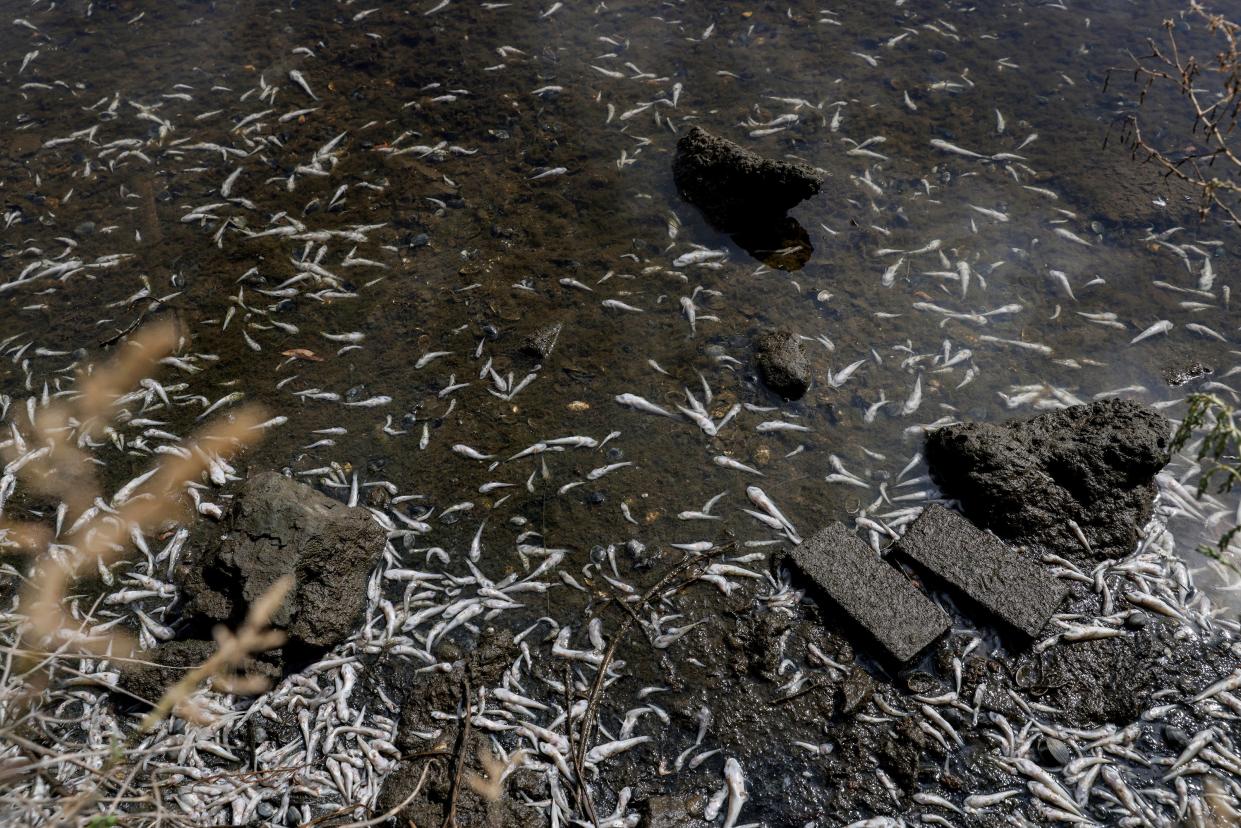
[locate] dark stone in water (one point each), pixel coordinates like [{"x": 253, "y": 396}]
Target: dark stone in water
[
  {"x": 1013, "y": 588},
  {"x": 279, "y": 527},
  {"x": 1026, "y": 480},
  {"x": 782, "y": 363},
  {"x": 1181, "y": 374},
  {"x": 542, "y": 342},
  {"x": 418, "y": 240},
  {"x": 873, "y": 594},
  {"x": 733, "y": 186}
]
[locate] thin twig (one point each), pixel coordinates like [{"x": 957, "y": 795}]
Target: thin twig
[{"x": 463, "y": 740}]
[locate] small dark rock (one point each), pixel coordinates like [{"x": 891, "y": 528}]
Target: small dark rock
[
  {"x": 675, "y": 811},
  {"x": 1181, "y": 374},
  {"x": 86, "y": 228},
  {"x": 856, "y": 690},
  {"x": 491, "y": 332},
  {"x": 782, "y": 363},
  {"x": 596, "y": 498},
  {"x": 1026, "y": 480},
  {"x": 1054, "y": 752},
  {"x": 643, "y": 556},
  {"x": 733, "y": 186},
  {"x": 1176, "y": 737},
  {"x": 418, "y": 240},
  {"x": 279, "y": 527},
  {"x": 542, "y": 342},
  {"x": 1137, "y": 620}
]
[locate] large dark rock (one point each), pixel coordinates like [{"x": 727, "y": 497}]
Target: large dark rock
[
  {"x": 278, "y": 527},
  {"x": 1026, "y": 480},
  {"x": 782, "y": 363},
  {"x": 734, "y": 187}
]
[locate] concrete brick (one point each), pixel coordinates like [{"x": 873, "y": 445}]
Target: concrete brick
[
  {"x": 873, "y": 593},
  {"x": 1014, "y": 588}
]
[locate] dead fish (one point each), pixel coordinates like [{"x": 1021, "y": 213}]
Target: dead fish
[
  {"x": 953, "y": 148},
  {"x": 1071, "y": 236},
  {"x": 300, "y": 79},
  {"x": 915, "y": 398},
  {"x": 471, "y": 453},
  {"x": 698, "y": 256},
  {"x": 616, "y": 304},
  {"x": 729, "y": 463},
  {"x": 1162, "y": 326},
  {"x": 1063, "y": 279},
  {"x": 734, "y": 777},
  {"x": 779, "y": 425},
  {"x": 372, "y": 402}
]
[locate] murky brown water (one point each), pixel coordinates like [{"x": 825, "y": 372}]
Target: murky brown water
[{"x": 447, "y": 116}]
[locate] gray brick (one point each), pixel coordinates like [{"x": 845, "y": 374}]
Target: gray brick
[
  {"x": 874, "y": 594},
  {"x": 1014, "y": 588}
]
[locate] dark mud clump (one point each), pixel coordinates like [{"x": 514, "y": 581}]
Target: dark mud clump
[
  {"x": 1116, "y": 679},
  {"x": 782, "y": 363},
  {"x": 430, "y": 700},
  {"x": 1028, "y": 480},
  {"x": 168, "y": 663},
  {"x": 734, "y": 187},
  {"x": 430, "y": 805},
  {"x": 736, "y": 690},
  {"x": 278, "y": 527}
]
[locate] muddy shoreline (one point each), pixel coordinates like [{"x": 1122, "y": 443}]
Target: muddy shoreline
[{"x": 506, "y": 169}]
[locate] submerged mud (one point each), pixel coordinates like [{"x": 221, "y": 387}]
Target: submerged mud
[{"x": 381, "y": 257}]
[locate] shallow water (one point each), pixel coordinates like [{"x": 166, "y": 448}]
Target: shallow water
[{"x": 447, "y": 115}]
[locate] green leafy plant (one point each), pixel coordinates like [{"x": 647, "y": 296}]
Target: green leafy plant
[{"x": 1219, "y": 453}]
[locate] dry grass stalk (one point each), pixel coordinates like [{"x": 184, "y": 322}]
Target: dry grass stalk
[
  {"x": 1215, "y": 110},
  {"x": 491, "y": 788},
  {"x": 48, "y": 454},
  {"x": 231, "y": 650}
]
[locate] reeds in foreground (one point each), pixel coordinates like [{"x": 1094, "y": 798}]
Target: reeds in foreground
[{"x": 47, "y": 454}]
